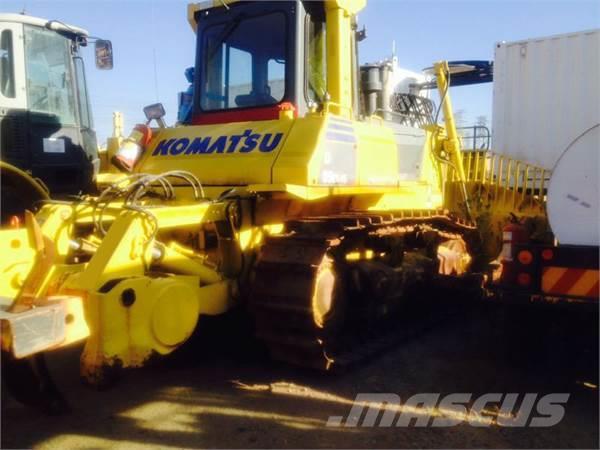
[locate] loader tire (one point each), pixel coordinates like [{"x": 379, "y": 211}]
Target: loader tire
[
  {"x": 19, "y": 192},
  {"x": 30, "y": 383}
]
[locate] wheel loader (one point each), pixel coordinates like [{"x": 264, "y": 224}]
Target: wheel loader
[
  {"x": 279, "y": 195},
  {"x": 47, "y": 139}
]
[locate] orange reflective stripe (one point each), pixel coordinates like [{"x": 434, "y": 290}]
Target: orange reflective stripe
[
  {"x": 585, "y": 283},
  {"x": 565, "y": 281},
  {"x": 550, "y": 277}
]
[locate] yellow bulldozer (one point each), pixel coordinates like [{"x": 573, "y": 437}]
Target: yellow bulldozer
[{"x": 278, "y": 193}]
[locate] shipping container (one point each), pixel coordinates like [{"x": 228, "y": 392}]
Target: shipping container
[
  {"x": 546, "y": 112},
  {"x": 546, "y": 94}
]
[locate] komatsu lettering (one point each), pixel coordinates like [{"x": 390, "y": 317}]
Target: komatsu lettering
[{"x": 246, "y": 142}]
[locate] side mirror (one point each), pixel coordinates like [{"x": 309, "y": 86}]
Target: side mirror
[
  {"x": 156, "y": 112},
  {"x": 104, "y": 54}
]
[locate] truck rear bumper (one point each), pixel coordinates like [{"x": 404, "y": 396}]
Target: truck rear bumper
[{"x": 523, "y": 297}]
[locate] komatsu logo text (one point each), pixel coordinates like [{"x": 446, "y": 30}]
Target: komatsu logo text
[{"x": 239, "y": 143}]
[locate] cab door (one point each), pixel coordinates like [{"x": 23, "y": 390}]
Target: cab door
[
  {"x": 12, "y": 67},
  {"x": 13, "y": 96}
]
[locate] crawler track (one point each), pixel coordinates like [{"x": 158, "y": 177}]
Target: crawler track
[{"x": 333, "y": 290}]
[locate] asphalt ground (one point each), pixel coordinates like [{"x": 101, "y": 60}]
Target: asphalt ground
[{"x": 222, "y": 391}]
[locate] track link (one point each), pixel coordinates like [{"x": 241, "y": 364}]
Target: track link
[{"x": 316, "y": 307}]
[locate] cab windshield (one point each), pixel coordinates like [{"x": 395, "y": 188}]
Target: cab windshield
[
  {"x": 243, "y": 63},
  {"x": 49, "y": 76}
]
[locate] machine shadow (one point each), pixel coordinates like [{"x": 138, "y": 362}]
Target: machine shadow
[{"x": 224, "y": 392}]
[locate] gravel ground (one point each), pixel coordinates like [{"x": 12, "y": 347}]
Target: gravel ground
[{"x": 232, "y": 397}]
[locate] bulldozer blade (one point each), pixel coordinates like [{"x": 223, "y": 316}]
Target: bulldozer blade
[{"x": 29, "y": 381}]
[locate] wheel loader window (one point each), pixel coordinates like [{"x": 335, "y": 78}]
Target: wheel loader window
[
  {"x": 244, "y": 63},
  {"x": 84, "y": 103},
  {"x": 7, "y": 69},
  {"x": 49, "y": 74}
]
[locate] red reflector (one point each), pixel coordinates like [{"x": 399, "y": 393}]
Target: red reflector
[
  {"x": 524, "y": 279},
  {"x": 525, "y": 257},
  {"x": 547, "y": 254}
]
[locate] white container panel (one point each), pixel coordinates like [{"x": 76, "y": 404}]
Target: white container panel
[{"x": 546, "y": 93}]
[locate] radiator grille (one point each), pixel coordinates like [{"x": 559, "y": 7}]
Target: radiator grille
[{"x": 13, "y": 140}]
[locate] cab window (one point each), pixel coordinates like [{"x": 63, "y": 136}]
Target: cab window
[
  {"x": 49, "y": 75},
  {"x": 316, "y": 49},
  {"x": 82, "y": 94},
  {"x": 7, "y": 65},
  {"x": 244, "y": 63}
]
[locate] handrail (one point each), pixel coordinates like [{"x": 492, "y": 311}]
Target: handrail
[
  {"x": 479, "y": 132},
  {"x": 512, "y": 179}
]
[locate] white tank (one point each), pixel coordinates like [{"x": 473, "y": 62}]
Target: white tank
[
  {"x": 404, "y": 81},
  {"x": 573, "y": 191}
]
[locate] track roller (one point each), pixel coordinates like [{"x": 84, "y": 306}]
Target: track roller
[{"x": 320, "y": 292}]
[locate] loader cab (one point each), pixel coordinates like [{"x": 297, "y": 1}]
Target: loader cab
[
  {"x": 46, "y": 125},
  {"x": 254, "y": 59}
]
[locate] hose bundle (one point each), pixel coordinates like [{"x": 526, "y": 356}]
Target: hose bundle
[{"x": 133, "y": 188}]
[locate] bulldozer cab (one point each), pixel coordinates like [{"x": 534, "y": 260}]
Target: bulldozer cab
[
  {"x": 276, "y": 104},
  {"x": 254, "y": 57},
  {"x": 46, "y": 126}
]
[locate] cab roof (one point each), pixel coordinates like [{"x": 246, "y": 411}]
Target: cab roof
[
  {"x": 193, "y": 8},
  {"x": 351, "y": 6},
  {"x": 44, "y": 23}
]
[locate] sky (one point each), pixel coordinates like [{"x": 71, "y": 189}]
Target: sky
[{"x": 153, "y": 43}]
